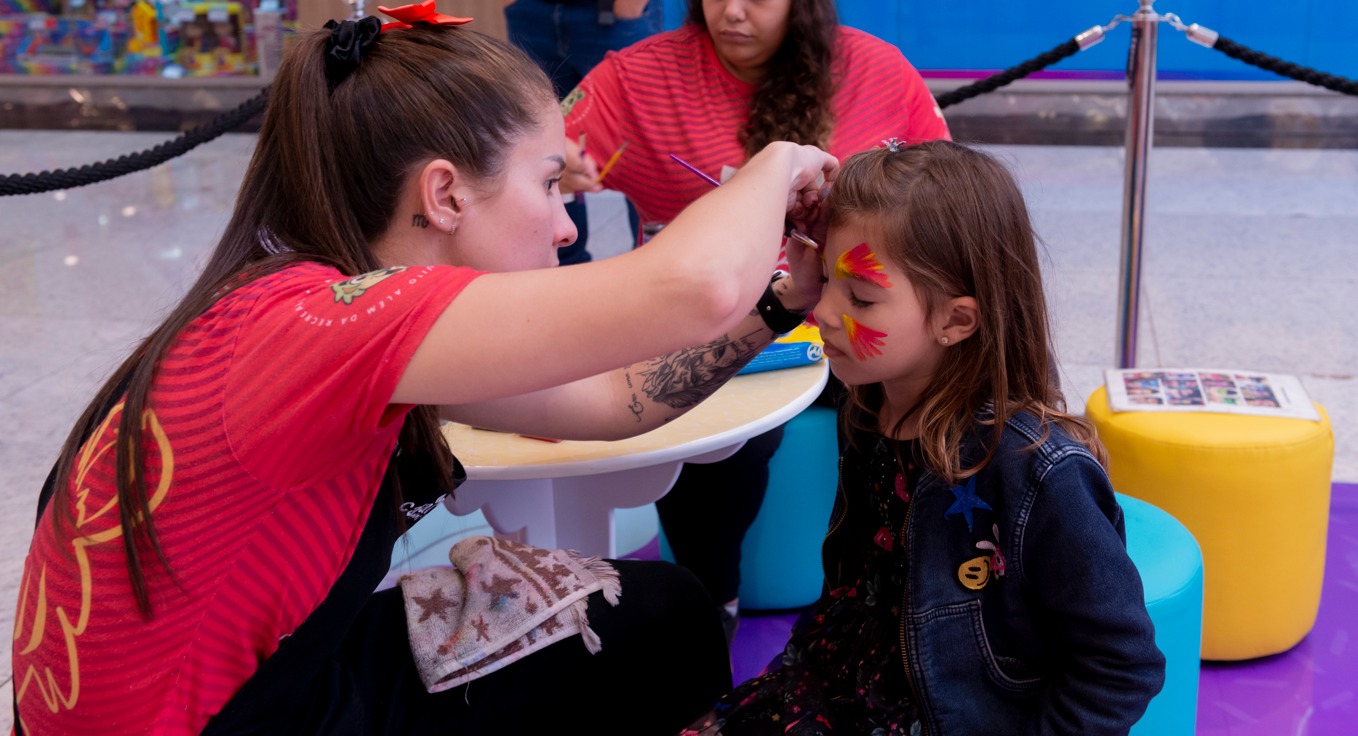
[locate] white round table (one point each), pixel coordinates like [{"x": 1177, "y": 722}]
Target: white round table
[{"x": 562, "y": 494}]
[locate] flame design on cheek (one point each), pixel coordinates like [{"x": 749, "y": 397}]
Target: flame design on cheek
[
  {"x": 864, "y": 340},
  {"x": 861, "y": 263}
]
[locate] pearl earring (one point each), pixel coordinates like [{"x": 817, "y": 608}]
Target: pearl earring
[
  {"x": 943, "y": 340},
  {"x": 441, "y": 221}
]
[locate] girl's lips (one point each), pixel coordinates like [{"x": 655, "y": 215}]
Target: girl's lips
[{"x": 832, "y": 352}]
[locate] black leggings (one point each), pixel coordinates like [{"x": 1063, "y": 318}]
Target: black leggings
[
  {"x": 664, "y": 662},
  {"x": 712, "y": 505}
]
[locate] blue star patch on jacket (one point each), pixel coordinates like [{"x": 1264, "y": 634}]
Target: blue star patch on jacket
[{"x": 966, "y": 501}]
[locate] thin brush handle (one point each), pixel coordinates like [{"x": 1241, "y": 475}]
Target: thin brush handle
[
  {"x": 695, "y": 170},
  {"x": 788, "y": 230},
  {"x": 612, "y": 160}
]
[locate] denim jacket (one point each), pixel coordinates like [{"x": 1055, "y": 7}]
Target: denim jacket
[{"x": 1023, "y": 613}]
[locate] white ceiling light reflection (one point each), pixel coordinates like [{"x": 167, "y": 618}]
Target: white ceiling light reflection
[
  {"x": 129, "y": 211},
  {"x": 71, "y": 260},
  {"x": 103, "y": 220},
  {"x": 59, "y": 196}
]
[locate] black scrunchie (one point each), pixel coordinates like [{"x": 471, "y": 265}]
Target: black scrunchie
[{"x": 348, "y": 42}]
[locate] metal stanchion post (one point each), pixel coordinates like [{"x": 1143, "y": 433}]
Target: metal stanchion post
[{"x": 1140, "y": 124}]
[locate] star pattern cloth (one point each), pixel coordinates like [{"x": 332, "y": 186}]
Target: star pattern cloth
[{"x": 498, "y": 602}]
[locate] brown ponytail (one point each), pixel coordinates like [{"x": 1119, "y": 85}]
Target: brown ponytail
[{"x": 322, "y": 185}]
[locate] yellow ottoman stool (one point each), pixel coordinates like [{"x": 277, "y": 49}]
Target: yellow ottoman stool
[{"x": 1255, "y": 493}]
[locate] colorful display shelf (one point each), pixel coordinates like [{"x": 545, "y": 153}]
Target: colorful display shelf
[{"x": 142, "y": 37}]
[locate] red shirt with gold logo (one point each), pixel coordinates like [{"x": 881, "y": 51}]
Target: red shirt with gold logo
[{"x": 268, "y": 432}]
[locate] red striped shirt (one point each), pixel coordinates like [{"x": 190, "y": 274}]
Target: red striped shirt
[
  {"x": 268, "y": 434},
  {"x": 670, "y": 94}
]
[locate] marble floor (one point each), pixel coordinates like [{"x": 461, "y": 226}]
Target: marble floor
[{"x": 1248, "y": 264}]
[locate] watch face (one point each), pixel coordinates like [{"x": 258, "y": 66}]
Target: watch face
[{"x": 776, "y": 316}]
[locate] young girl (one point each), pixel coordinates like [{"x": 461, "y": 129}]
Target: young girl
[{"x": 977, "y": 580}]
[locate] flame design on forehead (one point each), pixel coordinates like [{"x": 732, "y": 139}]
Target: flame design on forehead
[
  {"x": 865, "y": 341},
  {"x": 862, "y": 264}
]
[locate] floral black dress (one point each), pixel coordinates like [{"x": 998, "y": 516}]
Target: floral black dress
[{"x": 842, "y": 670}]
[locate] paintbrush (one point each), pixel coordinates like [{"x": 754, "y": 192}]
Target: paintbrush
[
  {"x": 695, "y": 170},
  {"x": 788, "y": 230},
  {"x": 612, "y": 160}
]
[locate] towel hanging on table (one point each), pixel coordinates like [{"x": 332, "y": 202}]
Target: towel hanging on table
[{"x": 498, "y": 603}]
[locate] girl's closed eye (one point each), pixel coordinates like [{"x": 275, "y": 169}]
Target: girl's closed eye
[{"x": 857, "y": 302}]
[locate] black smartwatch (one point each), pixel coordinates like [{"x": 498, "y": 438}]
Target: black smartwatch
[{"x": 780, "y": 319}]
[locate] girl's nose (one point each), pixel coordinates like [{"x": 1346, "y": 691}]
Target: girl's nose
[{"x": 825, "y": 312}]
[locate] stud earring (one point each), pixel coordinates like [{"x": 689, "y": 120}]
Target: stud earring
[
  {"x": 943, "y": 340},
  {"x": 442, "y": 221}
]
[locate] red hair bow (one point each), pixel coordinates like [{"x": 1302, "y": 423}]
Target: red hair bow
[{"x": 408, "y": 15}]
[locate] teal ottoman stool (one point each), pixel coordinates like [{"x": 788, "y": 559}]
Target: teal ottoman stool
[
  {"x": 1170, "y": 563},
  {"x": 780, "y": 564},
  {"x": 780, "y": 557}
]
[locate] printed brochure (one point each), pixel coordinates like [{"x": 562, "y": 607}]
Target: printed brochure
[{"x": 1212, "y": 390}]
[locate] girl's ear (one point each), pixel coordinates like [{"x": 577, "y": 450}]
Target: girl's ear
[
  {"x": 958, "y": 319},
  {"x": 442, "y": 189}
]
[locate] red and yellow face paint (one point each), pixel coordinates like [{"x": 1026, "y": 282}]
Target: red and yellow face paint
[
  {"x": 862, "y": 264},
  {"x": 865, "y": 341}
]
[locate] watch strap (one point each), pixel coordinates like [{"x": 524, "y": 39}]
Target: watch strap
[{"x": 780, "y": 319}]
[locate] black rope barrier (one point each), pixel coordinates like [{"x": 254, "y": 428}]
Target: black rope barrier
[
  {"x": 13, "y": 184},
  {"x": 1285, "y": 68},
  {"x": 47, "y": 181},
  {"x": 994, "y": 82}
]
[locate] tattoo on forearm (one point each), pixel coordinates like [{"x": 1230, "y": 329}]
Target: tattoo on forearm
[
  {"x": 681, "y": 380},
  {"x": 419, "y": 220},
  {"x": 636, "y": 406}
]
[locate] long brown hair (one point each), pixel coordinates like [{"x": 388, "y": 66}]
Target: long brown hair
[
  {"x": 322, "y": 185},
  {"x": 792, "y": 101},
  {"x": 953, "y": 219}
]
